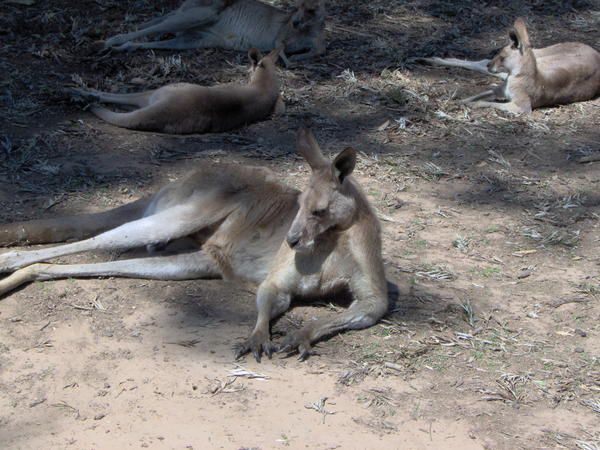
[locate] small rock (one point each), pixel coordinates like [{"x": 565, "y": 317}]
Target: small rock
[
  {"x": 580, "y": 332},
  {"x": 36, "y": 402},
  {"x": 579, "y": 350},
  {"x": 99, "y": 416},
  {"x": 524, "y": 273}
]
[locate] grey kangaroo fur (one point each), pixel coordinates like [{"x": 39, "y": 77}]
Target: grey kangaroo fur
[
  {"x": 533, "y": 78},
  {"x": 236, "y": 25},
  {"x": 183, "y": 108},
  {"x": 249, "y": 228}
]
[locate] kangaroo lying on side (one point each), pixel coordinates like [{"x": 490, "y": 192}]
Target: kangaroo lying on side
[
  {"x": 534, "y": 78},
  {"x": 251, "y": 228},
  {"x": 237, "y": 25},
  {"x": 182, "y": 108}
]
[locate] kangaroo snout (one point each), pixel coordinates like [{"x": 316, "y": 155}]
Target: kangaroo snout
[{"x": 292, "y": 240}]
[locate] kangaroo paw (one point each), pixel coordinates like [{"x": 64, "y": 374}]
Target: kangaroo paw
[
  {"x": 298, "y": 341},
  {"x": 258, "y": 343}
]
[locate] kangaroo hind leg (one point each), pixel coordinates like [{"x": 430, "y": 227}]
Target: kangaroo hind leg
[
  {"x": 148, "y": 118},
  {"x": 195, "y": 17},
  {"x": 184, "y": 41},
  {"x": 172, "y": 223},
  {"x": 139, "y": 99},
  {"x": 476, "y": 66},
  {"x": 177, "y": 267}
]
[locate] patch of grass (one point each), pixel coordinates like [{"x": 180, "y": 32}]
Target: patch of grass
[
  {"x": 469, "y": 312},
  {"x": 589, "y": 289},
  {"x": 421, "y": 243},
  {"x": 485, "y": 272},
  {"x": 494, "y": 228},
  {"x": 434, "y": 171},
  {"x": 399, "y": 96},
  {"x": 461, "y": 243},
  {"x": 438, "y": 362},
  {"x": 567, "y": 238},
  {"x": 372, "y": 352},
  {"x": 284, "y": 440},
  {"x": 478, "y": 355},
  {"x": 435, "y": 273}
]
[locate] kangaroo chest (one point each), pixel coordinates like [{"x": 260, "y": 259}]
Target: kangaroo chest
[{"x": 317, "y": 277}]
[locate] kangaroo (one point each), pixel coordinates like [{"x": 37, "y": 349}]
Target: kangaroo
[
  {"x": 534, "y": 78},
  {"x": 236, "y": 25},
  {"x": 183, "y": 108},
  {"x": 249, "y": 228}
]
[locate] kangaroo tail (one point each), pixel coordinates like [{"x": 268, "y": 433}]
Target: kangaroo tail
[{"x": 60, "y": 229}]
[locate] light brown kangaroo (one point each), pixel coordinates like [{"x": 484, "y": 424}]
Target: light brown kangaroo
[
  {"x": 183, "y": 108},
  {"x": 250, "y": 227},
  {"x": 237, "y": 25},
  {"x": 534, "y": 78}
]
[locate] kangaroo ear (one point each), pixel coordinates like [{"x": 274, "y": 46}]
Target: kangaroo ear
[
  {"x": 519, "y": 35},
  {"x": 343, "y": 164},
  {"x": 307, "y": 146},
  {"x": 274, "y": 54},
  {"x": 254, "y": 55}
]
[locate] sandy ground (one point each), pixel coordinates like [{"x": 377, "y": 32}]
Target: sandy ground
[{"x": 490, "y": 224}]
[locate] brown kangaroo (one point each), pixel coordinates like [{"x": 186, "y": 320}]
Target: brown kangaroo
[
  {"x": 237, "y": 25},
  {"x": 250, "y": 228},
  {"x": 534, "y": 78},
  {"x": 183, "y": 108}
]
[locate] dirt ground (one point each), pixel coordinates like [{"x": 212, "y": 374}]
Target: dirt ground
[{"x": 491, "y": 229}]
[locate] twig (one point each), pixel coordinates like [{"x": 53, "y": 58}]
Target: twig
[
  {"x": 563, "y": 301},
  {"x": 223, "y": 387},
  {"x": 589, "y": 158},
  {"x": 186, "y": 343},
  {"x": 320, "y": 407},
  {"x": 240, "y": 371}
]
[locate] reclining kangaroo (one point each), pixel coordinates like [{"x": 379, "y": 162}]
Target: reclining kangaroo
[
  {"x": 182, "y": 108},
  {"x": 534, "y": 78},
  {"x": 236, "y": 25},
  {"x": 251, "y": 228}
]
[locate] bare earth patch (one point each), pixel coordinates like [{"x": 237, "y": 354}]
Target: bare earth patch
[{"x": 491, "y": 231}]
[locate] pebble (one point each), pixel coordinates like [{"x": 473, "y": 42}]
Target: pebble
[{"x": 580, "y": 332}]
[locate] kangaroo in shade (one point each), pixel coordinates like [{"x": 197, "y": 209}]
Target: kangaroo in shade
[
  {"x": 236, "y": 25},
  {"x": 184, "y": 108},
  {"x": 249, "y": 227},
  {"x": 534, "y": 78}
]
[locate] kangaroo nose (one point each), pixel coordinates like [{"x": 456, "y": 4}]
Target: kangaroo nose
[
  {"x": 296, "y": 23},
  {"x": 292, "y": 241}
]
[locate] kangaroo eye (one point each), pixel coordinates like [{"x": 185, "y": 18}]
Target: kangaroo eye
[{"x": 319, "y": 212}]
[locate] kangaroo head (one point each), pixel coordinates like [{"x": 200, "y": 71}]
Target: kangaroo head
[
  {"x": 307, "y": 15},
  {"x": 327, "y": 203},
  {"x": 262, "y": 66},
  {"x": 512, "y": 57}
]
